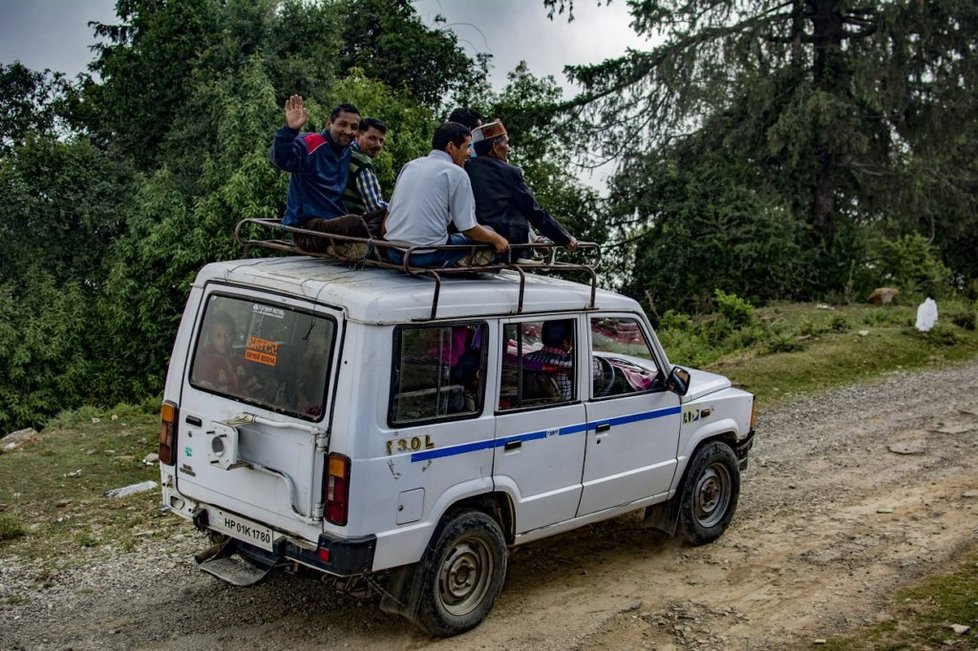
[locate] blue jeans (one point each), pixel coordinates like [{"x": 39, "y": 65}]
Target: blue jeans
[{"x": 434, "y": 258}]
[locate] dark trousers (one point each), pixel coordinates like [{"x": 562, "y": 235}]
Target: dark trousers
[{"x": 363, "y": 226}]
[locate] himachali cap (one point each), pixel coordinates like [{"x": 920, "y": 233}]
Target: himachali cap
[{"x": 488, "y": 131}]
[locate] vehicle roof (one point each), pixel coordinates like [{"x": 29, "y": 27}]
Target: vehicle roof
[{"x": 380, "y": 295}]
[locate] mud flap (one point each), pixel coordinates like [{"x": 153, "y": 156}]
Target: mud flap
[
  {"x": 236, "y": 568},
  {"x": 664, "y": 516},
  {"x": 403, "y": 591}
]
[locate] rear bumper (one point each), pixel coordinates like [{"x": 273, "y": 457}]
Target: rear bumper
[{"x": 338, "y": 556}]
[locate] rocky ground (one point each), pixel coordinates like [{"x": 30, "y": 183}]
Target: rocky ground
[{"x": 848, "y": 496}]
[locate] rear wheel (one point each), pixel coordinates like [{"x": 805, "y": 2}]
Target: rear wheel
[
  {"x": 710, "y": 494},
  {"x": 463, "y": 573}
]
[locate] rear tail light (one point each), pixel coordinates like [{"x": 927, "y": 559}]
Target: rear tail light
[
  {"x": 753, "y": 413},
  {"x": 168, "y": 432},
  {"x": 337, "y": 490}
]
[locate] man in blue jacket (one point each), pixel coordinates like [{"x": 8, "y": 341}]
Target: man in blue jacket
[
  {"x": 502, "y": 199},
  {"x": 319, "y": 163}
]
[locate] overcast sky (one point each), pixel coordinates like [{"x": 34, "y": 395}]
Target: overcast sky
[
  {"x": 51, "y": 33},
  {"x": 55, "y": 33}
]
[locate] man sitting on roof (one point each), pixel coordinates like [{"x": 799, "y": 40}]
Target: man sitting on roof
[
  {"x": 319, "y": 163},
  {"x": 362, "y": 195},
  {"x": 503, "y": 201},
  {"x": 433, "y": 192}
]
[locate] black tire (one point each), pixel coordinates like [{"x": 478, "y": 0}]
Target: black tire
[
  {"x": 463, "y": 573},
  {"x": 710, "y": 493}
]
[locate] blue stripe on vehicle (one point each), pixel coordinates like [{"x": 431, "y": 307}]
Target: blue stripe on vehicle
[
  {"x": 577, "y": 428},
  {"x": 634, "y": 418},
  {"x": 573, "y": 429}
]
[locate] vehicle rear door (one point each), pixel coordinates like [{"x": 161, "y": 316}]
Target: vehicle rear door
[{"x": 254, "y": 406}]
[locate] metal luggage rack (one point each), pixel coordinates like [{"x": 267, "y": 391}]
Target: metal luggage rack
[{"x": 370, "y": 252}]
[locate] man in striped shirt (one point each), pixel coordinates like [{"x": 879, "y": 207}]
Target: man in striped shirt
[{"x": 362, "y": 195}]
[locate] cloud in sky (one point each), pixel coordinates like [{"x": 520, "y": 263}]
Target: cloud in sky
[{"x": 55, "y": 33}]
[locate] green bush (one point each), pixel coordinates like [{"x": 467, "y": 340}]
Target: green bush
[
  {"x": 942, "y": 335},
  {"x": 738, "y": 311},
  {"x": 839, "y": 324},
  {"x": 782, "y": 341},
  {"x": 10, "y": 527},
  {"x": 964, "y": 316},
  {"x": 883, "y": 316},
  {"x": 912, "y": 264}
]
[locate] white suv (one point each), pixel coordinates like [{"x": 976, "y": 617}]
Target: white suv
[{"x": 401, "y": 432}]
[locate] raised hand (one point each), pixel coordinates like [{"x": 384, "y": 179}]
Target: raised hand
[{"x": 295, "y": 114}]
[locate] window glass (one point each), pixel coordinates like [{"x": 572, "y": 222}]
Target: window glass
[
  {"x": 538, "y": 363},
  {"x": 438, "y": 373},
  {"x": 623, "y": 362},
  {"x": 268, "y": 355}
]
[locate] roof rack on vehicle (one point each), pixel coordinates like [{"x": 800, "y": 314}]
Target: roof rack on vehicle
[{"x": 371, "y": 252}]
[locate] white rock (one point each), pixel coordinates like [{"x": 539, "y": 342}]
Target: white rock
[
  {"x": 960, "y": 629},
  {"x": 132, "y": 489},
  {"x": 926, "y": 315}
]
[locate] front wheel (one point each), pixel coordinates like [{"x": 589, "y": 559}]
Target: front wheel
[
  {"x": 710, "y": 493},
  {"x": 463, "y": 573}
]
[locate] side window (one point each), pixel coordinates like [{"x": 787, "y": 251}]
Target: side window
[
  {"x": 438, "y": 373},
  {"x": 537, "y": 364},
  {"x": 622, "y": 360}
]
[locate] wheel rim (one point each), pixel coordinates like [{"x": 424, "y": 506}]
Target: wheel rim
[
  {"x": 712, "y": 496},
  {"x": 464, "y": 576}
]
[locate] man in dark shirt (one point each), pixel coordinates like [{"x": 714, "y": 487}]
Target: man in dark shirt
[
  {"x": 319, "y": 163},
  {"x": 502, "y": 199}
]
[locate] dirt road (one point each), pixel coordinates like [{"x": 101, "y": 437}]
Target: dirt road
[{"x": 848, "y": 496}]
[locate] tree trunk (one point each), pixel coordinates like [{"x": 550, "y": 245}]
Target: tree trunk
[{"x": 830, "y": 76}]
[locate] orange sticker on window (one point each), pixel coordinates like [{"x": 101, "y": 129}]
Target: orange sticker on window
[{"x": 263, "y": 351}]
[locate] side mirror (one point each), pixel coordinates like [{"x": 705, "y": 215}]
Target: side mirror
[{"x": 678, "y": 381}]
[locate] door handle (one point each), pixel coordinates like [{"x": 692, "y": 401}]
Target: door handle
[
  {"x": 512, "y": 445},
  {"x": 603, "y": 427}
]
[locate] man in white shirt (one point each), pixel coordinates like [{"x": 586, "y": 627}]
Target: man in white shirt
[{"x": 433, "y": 192}]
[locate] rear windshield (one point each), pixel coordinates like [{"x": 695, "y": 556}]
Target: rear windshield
[{"x": 268, "y": 355}]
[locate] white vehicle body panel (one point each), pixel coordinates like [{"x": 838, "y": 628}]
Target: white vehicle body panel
[{"x": 553, "y": 468}]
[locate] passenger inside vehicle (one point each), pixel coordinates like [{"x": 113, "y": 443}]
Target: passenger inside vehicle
[{"x": 216, "y": 366}]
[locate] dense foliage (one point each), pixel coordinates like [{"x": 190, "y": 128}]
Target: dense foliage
[
  {"x": 118, "y": 188},
  {"x": 820, "y": 126}
]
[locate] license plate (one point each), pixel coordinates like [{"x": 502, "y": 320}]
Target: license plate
[{"x": 240, "y": 528}]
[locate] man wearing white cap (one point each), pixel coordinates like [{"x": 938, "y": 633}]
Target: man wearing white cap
[
  {"x": 432, "y": 193},
  {"x": 503, "y": 201}
]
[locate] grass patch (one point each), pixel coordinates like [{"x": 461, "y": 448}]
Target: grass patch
[
  {"x": 792, "y": 349},
  {"x": 10, "y": 527},
  {"x": 52, "y": 492},
  {"x": 922, "y": 614}
]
